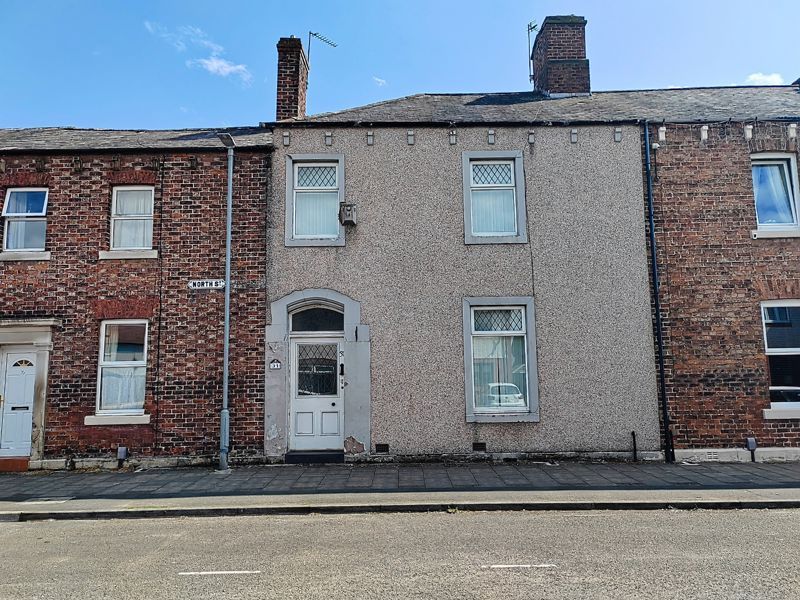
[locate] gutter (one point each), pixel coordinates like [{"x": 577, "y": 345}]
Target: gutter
[{"x": 669, "y": 447}]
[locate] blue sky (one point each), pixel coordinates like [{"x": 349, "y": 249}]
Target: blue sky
[{"x": 208, "y": 63}]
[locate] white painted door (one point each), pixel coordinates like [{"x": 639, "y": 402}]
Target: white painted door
[
  {"x": 16, "y": 411},
  {"x": 316, "y": 408}
]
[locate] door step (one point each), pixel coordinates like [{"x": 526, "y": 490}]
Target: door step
[
  {"x": 313, "y": 457},
  {"x": 14, "y": 464}
]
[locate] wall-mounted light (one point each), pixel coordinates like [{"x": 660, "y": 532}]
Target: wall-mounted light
[
  {"x": 490, "y": 137},
  {"x": 453, "y": 137},
  {"x": 531, "y": 137},
  {"x": 618, "y": 134},
  {"x": 792, "y": 131},
  {"x": 77, "y": 164},
  {"x": 286, "y": 138},
  {"x": 704, "y": 133},
  {"x": 115, "y": 161},
  {"x": 328, "y": 138},
  {"x": 748, "y": 132},
  {"x": 40, "y": 165},
  {"x": 662, "y": 134},
  {"x": 573, "y": 136},
  {"x": 2, "y": 165},
  {"x": 370, "y": 138},
  {"x": 193, "y": 162},
  {"x": 410, "y": 137}
]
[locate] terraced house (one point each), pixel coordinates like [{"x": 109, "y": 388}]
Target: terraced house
[{"x": 467, "y": 275}]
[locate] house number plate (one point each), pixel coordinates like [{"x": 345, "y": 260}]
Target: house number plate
[{"x": 274, "y": 365}]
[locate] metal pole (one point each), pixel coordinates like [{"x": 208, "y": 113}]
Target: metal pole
[
  {"x": 224, "y": 420},
  {"x": 669, "y": 448}
]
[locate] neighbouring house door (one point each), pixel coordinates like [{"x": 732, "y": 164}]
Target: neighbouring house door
[
  {"x": 316, "y": 411},
  {"x": 16, "y": 411}
]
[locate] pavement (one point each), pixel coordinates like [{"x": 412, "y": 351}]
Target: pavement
[{"x": 299, "y": 489}]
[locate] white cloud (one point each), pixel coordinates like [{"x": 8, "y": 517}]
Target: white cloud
[
  {"x": 378, "y": 81},
  {"x": 222, "y": 67},
  {"x": 187, "y": 36},
  {"x": 764, "y": 79}
]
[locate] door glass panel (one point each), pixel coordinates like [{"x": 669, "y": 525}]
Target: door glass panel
[{"x": 316, "y": 369}]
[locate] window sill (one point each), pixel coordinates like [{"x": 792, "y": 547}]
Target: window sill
[
  {"x": 314, "y": 242},
  {"x": 24, "y": 255},
  {"x": 127, "y": 254},
  {"x": 503, "y": 418},
  {"x": 116, "y": 420},
  {"x": 788, "y": 232},
  {"x": 470, "y": 240},
  {"x": 781, "y": 413}
]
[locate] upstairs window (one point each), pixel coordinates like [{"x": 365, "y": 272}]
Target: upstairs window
[
  {"x": 132, "y": 218},
  {"x": 782, "y": 342},
  {"x": 25, "y": 211},
  {"x": 775, "y": 190},
  {"x": 314, "y": 190},
  {"x": 494, "y": 198}
]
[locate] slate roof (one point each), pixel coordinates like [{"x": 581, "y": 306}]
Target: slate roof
[
  {"x": 72, "y": 139},
  {"x": 680, "y": 105}
]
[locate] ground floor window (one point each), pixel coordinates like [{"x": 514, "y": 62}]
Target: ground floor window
[
  {"x": 123, "y": 367},
  {"x": 500, "y": 356},
  {"x": 781, "y": 320}
]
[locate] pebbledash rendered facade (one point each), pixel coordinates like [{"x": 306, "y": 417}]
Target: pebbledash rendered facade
[{"x": 465, "y": 275}]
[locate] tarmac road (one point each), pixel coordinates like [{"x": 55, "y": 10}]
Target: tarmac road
[{"x": 487, "y": 555}]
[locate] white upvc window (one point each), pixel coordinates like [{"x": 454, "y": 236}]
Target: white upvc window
[
  {"x": 501, "y": 381},
  {"x": 316, "y": 201},
  {"x": 122, "y": 368},
  {"x": 781, "y": 320},
  {"x": 132, "y": 218},
  {"x": 775, "y": 188},
  {"x": 493, "y": 203},
  {"x": 25, "y": 216},
  {"x": 494, "y": 197}
]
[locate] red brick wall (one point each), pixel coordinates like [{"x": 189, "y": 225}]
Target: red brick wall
[
  {"x": 292, "y": 79},
  {"x": 183, "y": 391},
  {"x": 713, "y": 278},
  {"x": 559, "y": 56}
]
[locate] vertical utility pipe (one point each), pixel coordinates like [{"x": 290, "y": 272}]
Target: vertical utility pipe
[
  {"x": 224, "y": 418},
  {"x": 669, "y": 449}
]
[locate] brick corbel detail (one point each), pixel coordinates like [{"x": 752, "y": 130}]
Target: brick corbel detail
[
  {"x": 130, "y": 308},
  {"x": 132, "y": 177}
]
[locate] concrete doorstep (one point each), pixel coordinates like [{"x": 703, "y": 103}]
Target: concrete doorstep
[{"x": 325, "y": 504}]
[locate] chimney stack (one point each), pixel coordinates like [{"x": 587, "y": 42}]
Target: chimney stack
[
  {"x": 292, "y": 79},
  {"x": 560, "y": 66}
]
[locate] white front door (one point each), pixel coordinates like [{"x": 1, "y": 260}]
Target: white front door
[
  {"x": 316, "y": 408},
  {"x": 16, "y": 408}
]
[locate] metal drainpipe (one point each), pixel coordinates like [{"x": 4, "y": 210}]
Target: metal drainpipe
[
  {"x": 224, "y": 417},
  {"x": 669, "y": 449}
]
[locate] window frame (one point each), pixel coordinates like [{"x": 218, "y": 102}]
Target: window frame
[
  {"x": 101, "y": 363},
  {"x": 115, "y": 217},
  {"x": 788, "y": 161},
  {"x": 793, "y": 303},
  {"x": 21, "y": 217},
  {"x": 293, "y": 161},
  {"x": 510, "y": 414},
  {"x": 520, "y": 212}
]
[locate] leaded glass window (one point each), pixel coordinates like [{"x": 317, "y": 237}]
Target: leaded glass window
[
  {"x": 499, "y": 359},
  {"x": 316, "y": 201},
  {"x": 493, "y": 198}
]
